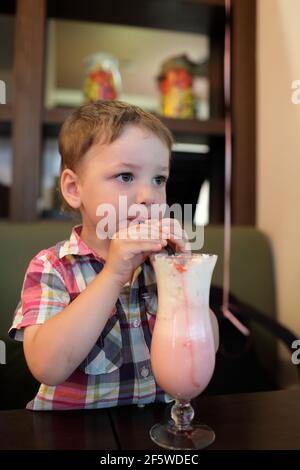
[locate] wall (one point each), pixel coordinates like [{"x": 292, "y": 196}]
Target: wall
[{"x": 278, "y": 146}]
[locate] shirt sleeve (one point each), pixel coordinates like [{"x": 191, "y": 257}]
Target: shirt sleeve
[{"x": 43, "y": 295}]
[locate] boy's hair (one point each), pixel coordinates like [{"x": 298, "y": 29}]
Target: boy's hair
[{"x": 103, "y": 121}]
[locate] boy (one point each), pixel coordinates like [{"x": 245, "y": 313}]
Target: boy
[{"x": 88, "y": 304}]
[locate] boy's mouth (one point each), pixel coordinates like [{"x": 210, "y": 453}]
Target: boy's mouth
[{"x": 138, "y": 220}]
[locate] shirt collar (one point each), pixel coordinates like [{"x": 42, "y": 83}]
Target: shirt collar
[{"x": 76, "y": 246}]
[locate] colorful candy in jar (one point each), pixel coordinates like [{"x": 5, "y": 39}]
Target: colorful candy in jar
[
  {"x": 176, "y": 88},
  {"x": 103, "y": 79}
]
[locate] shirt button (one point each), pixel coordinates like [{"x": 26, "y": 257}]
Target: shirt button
[
  {"x": 136, "y": 323},
  {"x": 145, "y": 296},
  {"x": 144, "y": 372}
]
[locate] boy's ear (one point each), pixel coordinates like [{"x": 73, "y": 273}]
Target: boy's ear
[{"x": 69, "y": 186}]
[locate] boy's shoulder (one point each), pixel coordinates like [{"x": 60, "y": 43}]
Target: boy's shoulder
[
  {"x": 62, "y": 250},
  {"x": 49, "y": 256}
]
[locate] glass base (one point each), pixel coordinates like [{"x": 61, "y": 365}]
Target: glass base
[{"x": 199, "y": 437}]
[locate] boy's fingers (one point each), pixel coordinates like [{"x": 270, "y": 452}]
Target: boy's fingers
[
  {"x": 169, "y": 229},
  {"x": 140, "y": 232},
  {"x": 173, "y": 226},
  {"x": 172, "y": 230},
  {"x": 146, "y": 247},
  {"x": 175, "y": 233},
  {"x": 144, "y": 232},
  {"x": 181, "y": 246}
]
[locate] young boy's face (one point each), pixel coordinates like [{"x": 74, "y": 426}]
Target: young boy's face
[{"x": 135, "y": 165}]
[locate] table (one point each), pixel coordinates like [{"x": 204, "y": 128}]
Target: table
[
  {"x": 268, "y": 420},
  {"x": 250, "y": 421},
  {"x": 56, "y": 430}
]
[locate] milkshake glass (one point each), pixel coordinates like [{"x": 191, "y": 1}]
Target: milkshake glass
[{"x": 183, "y": 348}]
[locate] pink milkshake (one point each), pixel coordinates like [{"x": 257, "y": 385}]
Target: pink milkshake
[{"x": 183, "y": 348}]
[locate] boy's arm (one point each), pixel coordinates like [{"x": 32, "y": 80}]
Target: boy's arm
[{"x": 54, "y": 349}]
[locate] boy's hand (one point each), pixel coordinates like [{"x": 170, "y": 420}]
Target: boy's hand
[
  {"x": 130, "y": 247},
  {"x": 176, "y": 236}
]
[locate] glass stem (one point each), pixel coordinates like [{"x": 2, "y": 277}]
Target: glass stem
[{"x": 182, "y": 414}]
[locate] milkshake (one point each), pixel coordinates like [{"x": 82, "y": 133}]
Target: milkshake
[{"x": 183, "y": 349}]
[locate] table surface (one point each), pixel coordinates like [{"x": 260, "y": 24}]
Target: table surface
[
  {"x": 268, "y": 420},
  {"x": 56, "y": 430}
]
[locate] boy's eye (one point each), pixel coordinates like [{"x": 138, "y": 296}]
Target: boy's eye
[
  {"x": 160, "y": 180},
  {"x": 125, "y": 177}
]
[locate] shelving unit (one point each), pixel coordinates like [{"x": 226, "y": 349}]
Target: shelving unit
[
  {"x": 212, "y": 127},
  {"x": 27, "y": 116},
  {"x": 6, "y": 113}
]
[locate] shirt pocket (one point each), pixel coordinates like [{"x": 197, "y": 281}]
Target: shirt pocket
[{"x": 106, "y": 355}]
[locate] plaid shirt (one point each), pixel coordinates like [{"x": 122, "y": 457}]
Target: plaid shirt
[{"x": 117, "y": 371}]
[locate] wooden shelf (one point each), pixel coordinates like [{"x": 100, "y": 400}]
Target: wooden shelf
[
  {"x": 211, "y": 127},
  {"x": 8, "y": 7},
  {"x": 5, "y": 120},
  {"x": 5, "y": 113},
  {"x": 194, "y": 16},
  {"x": 53, "y": 118}
]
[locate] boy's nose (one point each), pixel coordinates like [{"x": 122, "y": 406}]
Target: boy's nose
[{"x": 145, "y": 195}]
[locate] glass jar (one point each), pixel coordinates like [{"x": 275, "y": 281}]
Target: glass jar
[
  {"x": 176, "y": 88},
  {"x": 103, "y": 78}
]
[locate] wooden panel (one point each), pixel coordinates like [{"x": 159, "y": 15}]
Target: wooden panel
[
  {"x": 243, "y": 67},
  {"x": 180, "y": 15},
  {"x": 5, "y": 120},
  {"x": 8, "y": 7},
  {"x": 206, "y": 2},
  {"x": 28, "y": 66},
  {"x": 5, "y": 113},
  {"x": 217, "y": 175},
  {"x": 216, "y": 74}
]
